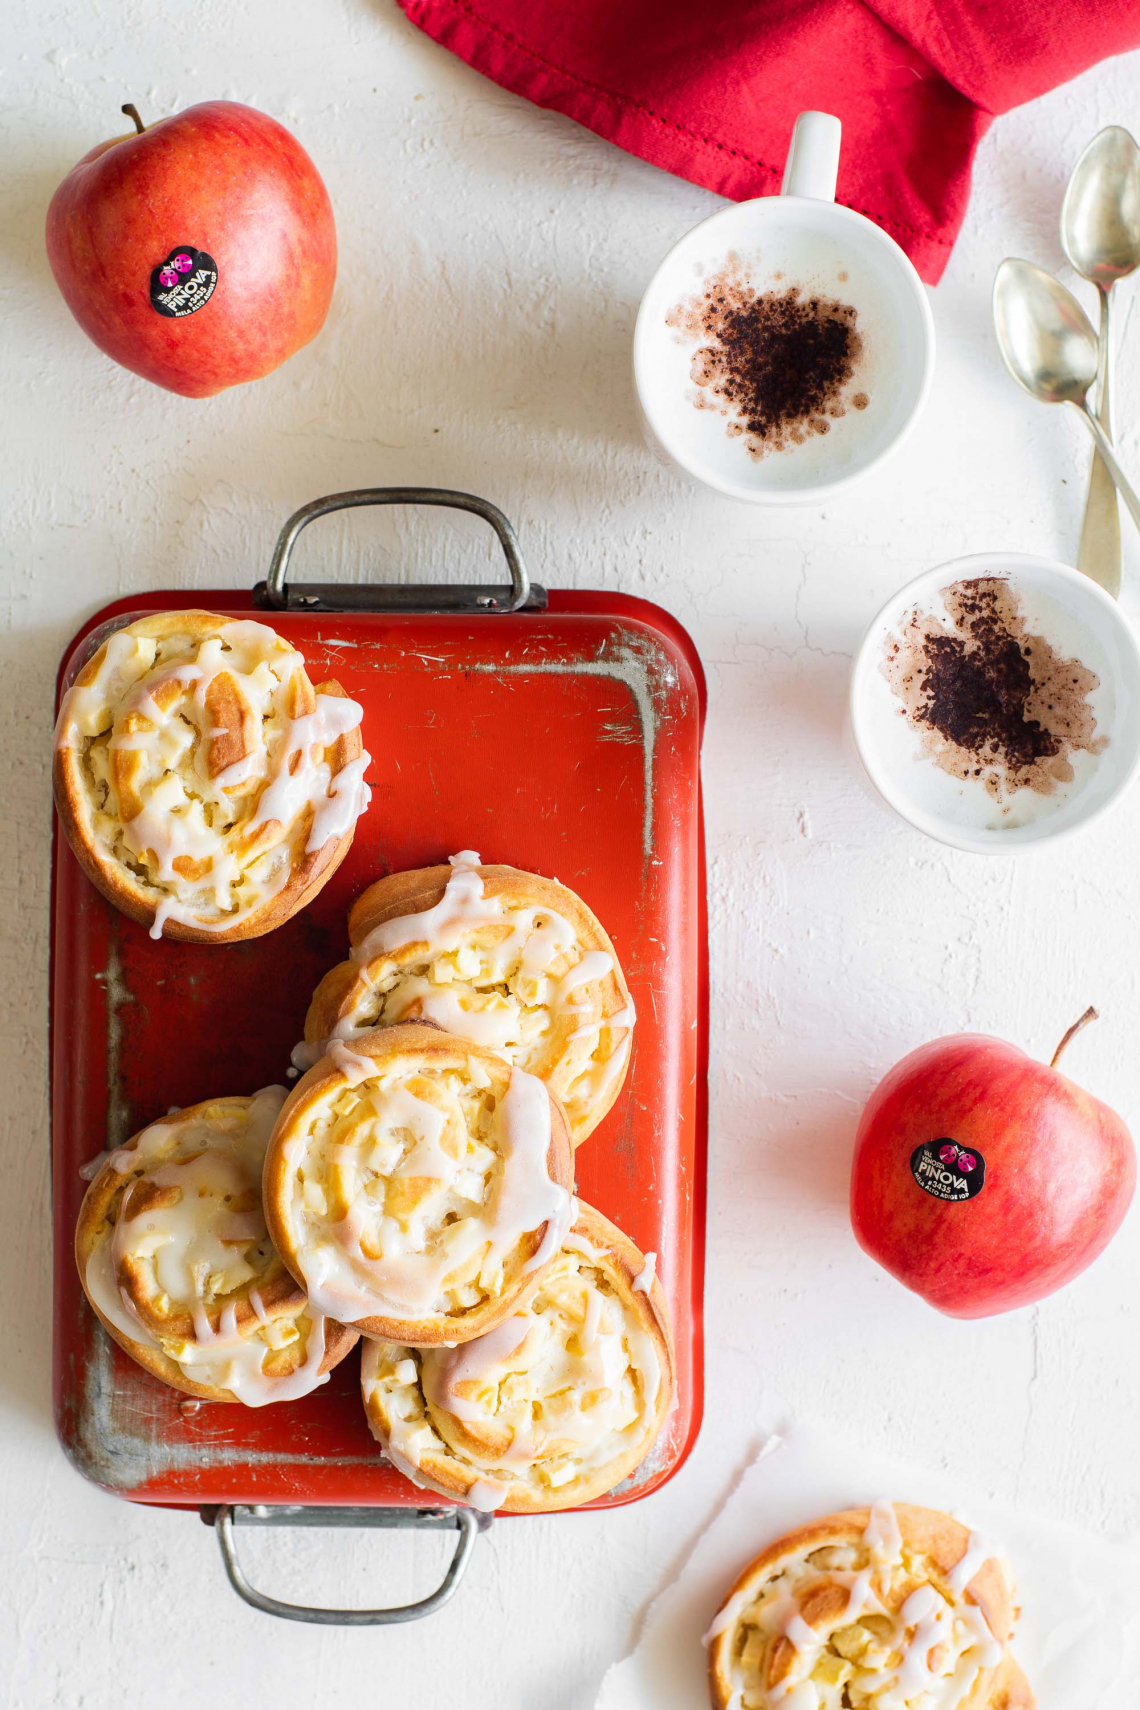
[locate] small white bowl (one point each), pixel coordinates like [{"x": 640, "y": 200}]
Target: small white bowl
[
  {"x": 1097, "y": 633},
  {"x": 803, "y": 238}
]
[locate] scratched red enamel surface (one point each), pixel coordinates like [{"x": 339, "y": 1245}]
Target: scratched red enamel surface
[{"x": 564, "y": 741}]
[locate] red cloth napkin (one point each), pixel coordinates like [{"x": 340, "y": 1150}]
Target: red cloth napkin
[{"x": 709, "y": 89}]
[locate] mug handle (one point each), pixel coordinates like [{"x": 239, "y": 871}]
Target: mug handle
[{"x": 813, "y": 158}]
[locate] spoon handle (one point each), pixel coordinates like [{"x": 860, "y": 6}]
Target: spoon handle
[
  {"x": 1123, "y": 487},
  {"x": 1099, "y": 552}
]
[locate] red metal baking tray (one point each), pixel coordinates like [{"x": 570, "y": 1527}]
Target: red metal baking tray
[{"x": 564, "y": 740}]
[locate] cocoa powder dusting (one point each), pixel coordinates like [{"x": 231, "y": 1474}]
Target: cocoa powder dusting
[
  {"x": 992, "y": 701},
  {"x": 774, "y": 362}
]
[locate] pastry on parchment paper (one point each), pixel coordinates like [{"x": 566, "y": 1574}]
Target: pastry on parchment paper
[{"x": 891, "y": 1607}]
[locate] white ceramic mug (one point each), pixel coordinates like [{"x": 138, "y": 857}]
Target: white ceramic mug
[
  {"x": 1082, "y": 622},
  {"x": 800, "y": 237}
]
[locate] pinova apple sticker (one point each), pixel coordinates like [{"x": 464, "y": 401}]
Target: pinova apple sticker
[
  {"x": 984, "y": 1180},
  {"x": 199, "y": 251}
]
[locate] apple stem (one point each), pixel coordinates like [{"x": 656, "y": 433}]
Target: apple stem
[
  {"x": 1082, "y": 1022},
  {"x": 132, "y": 112}
]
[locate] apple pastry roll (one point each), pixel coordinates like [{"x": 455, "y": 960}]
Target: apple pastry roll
[
  {"x": 514, "y": 962},
  {"x": 555, "y": 1406},
  {"x": 417, "y": 1185},
  {"x": 206, "y": 787},
  {"x": 890, "y": 1607},
  {"x": 176, "y": 1261}
]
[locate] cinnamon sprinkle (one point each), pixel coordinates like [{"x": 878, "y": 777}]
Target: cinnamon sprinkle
[
  {"x": 775, "y": 363},
  {"x": 992, "y": 701}
]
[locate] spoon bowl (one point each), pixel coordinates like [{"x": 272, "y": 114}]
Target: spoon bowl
[
  {"x": 1049, "y": 347},
  {"x": 1100, "y": 216},
  {"x": 1046, "y": 339}
]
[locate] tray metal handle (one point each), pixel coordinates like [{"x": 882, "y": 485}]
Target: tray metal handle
[
  {"x": 279, "y": 595},
  {"x": 466, "y": 1521}
]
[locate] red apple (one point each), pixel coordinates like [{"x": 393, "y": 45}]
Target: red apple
[
  {"x": 985, "y": 1180},
  {"x": 199, "y": 252}
]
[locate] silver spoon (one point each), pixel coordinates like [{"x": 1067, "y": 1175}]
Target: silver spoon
[
  {"x": 1049, "y": 347},
  {"x": 1100, "y": 234}
]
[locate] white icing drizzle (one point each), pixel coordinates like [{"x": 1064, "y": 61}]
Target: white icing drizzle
[
  {"x": 860, "y": 1596},
  {"x": 595, "y": 965},
  {"x": 797, "y": 1630},
  {"x": 473, "y": 1201},
  {"x": 974, "y": 1558},
  {"x": 354, "y": 1067},
  {"x": 441, "y": 928},
  {"x": 808, "y": 1644},
  {"x": 564, "y": 1386},
  {"x": 486, "y": 1494},
  {"x": 610, "y": 1069},
  {"x": 575, "y": 1243},
  {"x": 801, "y": 1697},
  {"x": 197, "y": 1240},
  {"x": 990, "y": 1650},
  {"x": 346, "y": 798},
  {"x": 643, "y": 1281},
  {"x": 301, "y": 779},
  {"x": 882, "y": 1536},
  {"x": 192, "y": 815},
  {"x": 81, "y": 708},
  {"x": 495, "y": 1027},
  {"x": 471, "y": 1363},
  {"x": 527, "y": 1196},
  {"x": 304, "y": 1056},
  {"x": 403, "y": 1465},
  {"x": 726, "y": 1616}
]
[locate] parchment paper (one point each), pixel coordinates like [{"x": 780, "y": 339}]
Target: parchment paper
[{"x": 1078, "y": 1638}]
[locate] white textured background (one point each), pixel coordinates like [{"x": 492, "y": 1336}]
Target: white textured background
[{"x": 492, "y": 259}]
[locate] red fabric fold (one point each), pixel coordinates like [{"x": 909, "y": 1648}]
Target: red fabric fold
[{"x": 709, "y": 89}]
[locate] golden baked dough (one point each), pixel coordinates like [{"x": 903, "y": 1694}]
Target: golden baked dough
[
  {"x": 206, "y": 787},
  {"x": 884, "y": 1608},
  {"x": 175, "y": 1258},
  {"x": 507, "y": 959},
  {"x": 551, "y": 1409},
  {"x": 418, "y": 1185}
]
